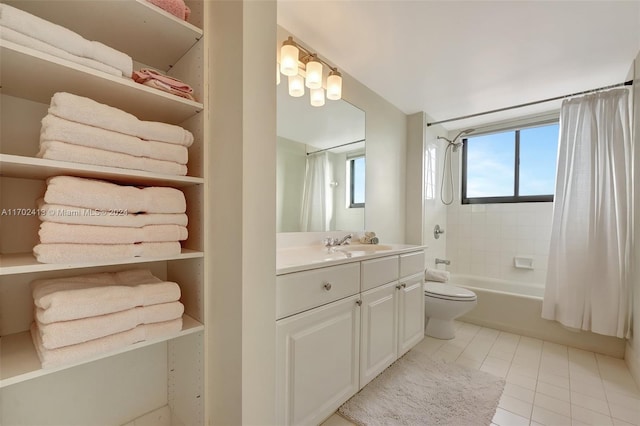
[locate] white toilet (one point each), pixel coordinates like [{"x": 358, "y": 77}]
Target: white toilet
[{"x": 442, "y": 304}]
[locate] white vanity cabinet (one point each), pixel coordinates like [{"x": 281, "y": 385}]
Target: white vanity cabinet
[
  {"x": 392, "y": 311},
  {"x": 339, "y": 326},
  {"x": 318, "y": 350}
]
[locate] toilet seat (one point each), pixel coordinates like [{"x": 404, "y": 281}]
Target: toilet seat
[{"x": 448, "y": 292}]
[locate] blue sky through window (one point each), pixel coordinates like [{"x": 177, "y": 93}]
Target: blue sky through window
[{"x": 491, "y": 163}]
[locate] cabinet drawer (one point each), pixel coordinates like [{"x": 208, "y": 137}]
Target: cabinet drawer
[
  {"x": 411, "y": 263},
  {"x": 300, "y": 291},
  {"x": 376, "y": 272}
]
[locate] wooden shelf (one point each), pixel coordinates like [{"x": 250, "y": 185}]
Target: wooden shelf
[
  {"x": 20, "y": 361},
  {"x": 141, "y": 30},
  {"x": 39, "y": 168},
  {"x": 25, "y": 263},
  {"x": 33, "y": 75}
]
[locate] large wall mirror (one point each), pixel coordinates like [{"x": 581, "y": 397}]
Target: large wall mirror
[{"x": 321, "y": 165}]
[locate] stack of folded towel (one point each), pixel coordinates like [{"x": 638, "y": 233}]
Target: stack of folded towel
[
  {"x": 81, "y": 130},
  {"x": 86, "y": 220},
  {"x": 24, "y": 29},
  {"x": 77, "y": 318}
]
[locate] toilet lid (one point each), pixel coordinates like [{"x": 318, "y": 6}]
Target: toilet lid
[{"x": 447, "y": 291}]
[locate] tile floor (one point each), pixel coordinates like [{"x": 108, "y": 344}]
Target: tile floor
[{"x": 547, "y": 384}]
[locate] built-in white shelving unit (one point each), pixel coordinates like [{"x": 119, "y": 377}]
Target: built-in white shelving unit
[{"x": 149, "y": 375}]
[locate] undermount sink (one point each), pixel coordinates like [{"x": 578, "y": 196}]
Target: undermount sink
[{"x": 364, "y": 247}]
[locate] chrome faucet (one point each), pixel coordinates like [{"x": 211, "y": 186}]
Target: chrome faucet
[{"x": 333, "y": 242}]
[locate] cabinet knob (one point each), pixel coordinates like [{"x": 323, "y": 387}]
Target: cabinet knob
[
  {"x": 399, "y": 286},
  {"x": 327, "y": 286},
  {"x": 358, "y": 302},
  {"x": 403, "y": 285}
]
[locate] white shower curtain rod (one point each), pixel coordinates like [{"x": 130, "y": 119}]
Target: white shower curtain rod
[
  {"x": 337, "y": 146},
  {"x": 626, "y": 83}
]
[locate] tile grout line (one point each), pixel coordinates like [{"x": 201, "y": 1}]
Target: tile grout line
[{"x": 604, "y": 389}]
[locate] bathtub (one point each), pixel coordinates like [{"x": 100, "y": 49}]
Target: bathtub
[{"x": 516, "y": 307}]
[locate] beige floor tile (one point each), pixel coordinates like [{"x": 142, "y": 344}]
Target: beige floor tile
[
  {"x": 507, "y": 418},
  {"x": 624, "y": 400},
  {"x": 554, "y": 379},
  {"x": 590, "y": 417},
  {"x": 337, "y": 420},
  {"x": 469, "y": 362},
  {"x": 630, "y": 415},
  {"x": 618, "y": 422},
  {"x": 519, "y": 392},
  {"x": 549, "y": 418},
  {"x": 552, "y": 404},
  {"x": 595, "y": 404},
  {"x": 525, "y": 370},
  {"x": 520, "y": 380},
  {"x": 553, "y": 391},
  {"x": 516, "y": 406}
]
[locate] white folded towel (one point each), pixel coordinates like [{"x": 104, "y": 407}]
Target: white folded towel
[
  {"x": 87, "y": 111},
  {"x": 62, "y": 151},
  {"x": 58, "y": 129},
  {"x": 63, "y": 38},
  {"x": 88, "y": 253},
  {"x": 65, "y": 333},
  {"x": 70, "y": 298},
  {"x": 53, "y": 233},
  {"x": 50, "y": 358},
  {"x": 24, "y": 40},
  {"x": 109, "y": 197},
  {"x": 58, "y": 213},
  {"x": 436, "y": 275}
]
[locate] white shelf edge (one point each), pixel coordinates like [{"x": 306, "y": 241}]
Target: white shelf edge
[
  {"x": 94, "y": 82},
  {"x": 41, "y": 168},
  {"x": 22, "y": 344},
  {"x": 26, "y": 263}
]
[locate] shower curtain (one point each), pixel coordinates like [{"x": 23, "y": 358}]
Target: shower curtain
[
  {"x": 317, "y": 205},
  {"x": 589, "y": 260}
]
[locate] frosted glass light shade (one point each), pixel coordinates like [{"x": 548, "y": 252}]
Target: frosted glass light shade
[
  {"x": 289, "y": 60},
  {"x": 296, "y": 86},
  {"x": 334, "y": 86},
  {"x": 314, "y": 74},
  {"x": 317, "y": 97}
]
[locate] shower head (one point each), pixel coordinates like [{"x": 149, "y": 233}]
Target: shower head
[{"x": 453, "y": 142}]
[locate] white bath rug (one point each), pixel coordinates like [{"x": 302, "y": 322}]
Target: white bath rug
[{"x": 418, "y": 390}]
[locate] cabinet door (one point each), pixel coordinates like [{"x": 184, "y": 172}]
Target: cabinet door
[
  {"x": 379, "y": 335},
  {"x": 317, "y": 361},
  {"x": 411, "y": 312}
]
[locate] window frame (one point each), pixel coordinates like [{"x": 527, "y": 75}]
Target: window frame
[
  {"x": 351, "y": 168},
  {"x": 516, "y": 198}
]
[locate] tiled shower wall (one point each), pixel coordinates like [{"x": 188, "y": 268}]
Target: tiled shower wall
[{"x": 483, "y": 239}]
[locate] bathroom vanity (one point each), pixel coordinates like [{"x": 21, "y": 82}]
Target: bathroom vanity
[{"x": 342, "y": 316}]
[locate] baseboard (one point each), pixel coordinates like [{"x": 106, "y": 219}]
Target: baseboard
[{"x": 632, "y": 358}]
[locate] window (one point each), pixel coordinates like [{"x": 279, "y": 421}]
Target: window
[
  {"x": 355, "y": 170},
  {"x": 510, "y": 166}
]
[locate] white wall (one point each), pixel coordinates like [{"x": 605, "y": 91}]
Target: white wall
[
  {"x": 290, "y": 170},
  {"x": 241, "y": 194},
  {"x": 632, "y": 355}
]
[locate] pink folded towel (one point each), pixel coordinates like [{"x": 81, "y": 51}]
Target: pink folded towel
[
  {"x": 58, "y": 213},
  {"x": 65, "y": 333},
  {"x": 52, "y": 233},
  {"x": 62, "y": 151},
  {"x": 71, "y": 298},
  {"x": 90, "y": 253},
  {"x": 163, "y": 82},
  {"x": 87, "y": 111},
  {"x": 58, "y": 129},
  {"x": 66, "y": 355},
  {"x": 109, "y": 197}
]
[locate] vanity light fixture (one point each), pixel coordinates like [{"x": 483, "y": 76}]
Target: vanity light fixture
[{"x": 304, "y": 68}]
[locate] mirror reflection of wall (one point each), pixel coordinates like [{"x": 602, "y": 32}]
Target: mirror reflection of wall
[{"x": 320, "y": 165}]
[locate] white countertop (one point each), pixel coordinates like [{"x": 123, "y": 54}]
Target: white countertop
[{"x": 296, "y": 259}]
